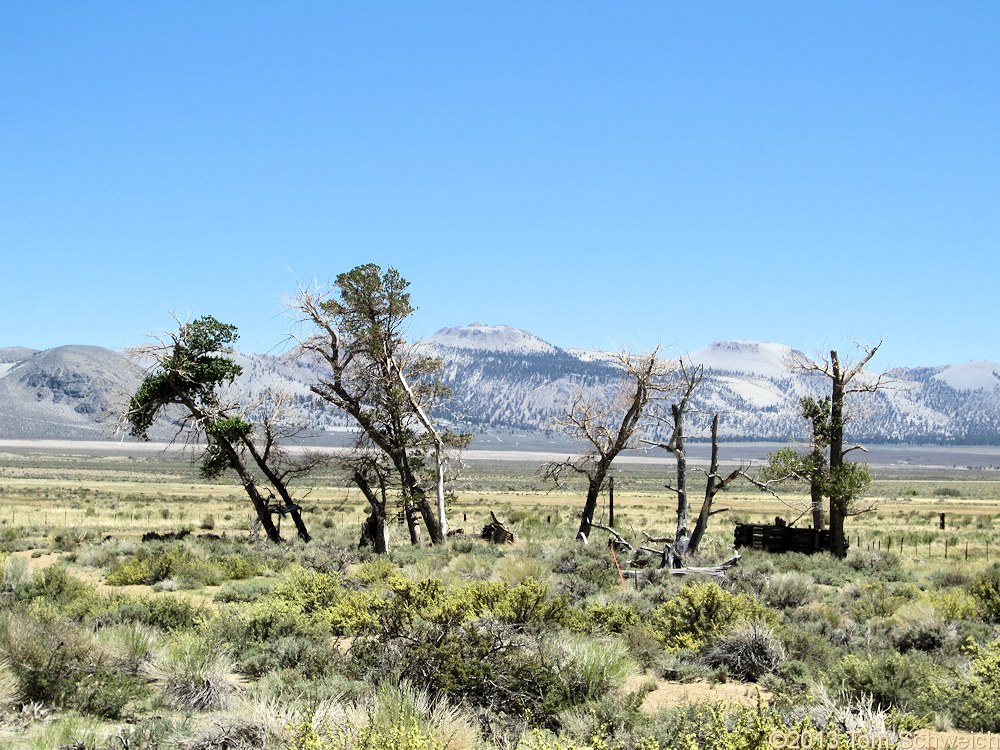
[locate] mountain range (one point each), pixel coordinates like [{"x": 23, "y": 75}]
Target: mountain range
[{"x": 506, "y": 379}]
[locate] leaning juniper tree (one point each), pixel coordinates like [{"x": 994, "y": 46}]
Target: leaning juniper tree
[
  {"x": 372, "y": 374},
  {"x": 186, "y": 382},
  {"x": 608, "y": 424}
]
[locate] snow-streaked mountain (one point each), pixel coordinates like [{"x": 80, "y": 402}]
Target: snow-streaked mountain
[
  {"x": 506, "y": 378},
  {"x": 750, "y": 357},
  {"x": 490, "y": 338},
  {"x": 976, "y": 375},
  {"x": 754, "y": 386}
]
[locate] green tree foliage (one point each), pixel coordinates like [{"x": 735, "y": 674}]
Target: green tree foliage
[
  {"x": 191, "y": 368},
  {"x": 377, "y": 379},
  {"x": 823, "y": 466}
]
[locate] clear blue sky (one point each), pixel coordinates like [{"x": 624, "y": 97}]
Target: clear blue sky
[{"x": 601, "y": 174}]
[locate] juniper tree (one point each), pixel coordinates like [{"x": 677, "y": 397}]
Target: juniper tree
[
  {"x": 389, "y": 390},
  {"x": 186, "y": 382},
  {"x": 844, "y": 481}
]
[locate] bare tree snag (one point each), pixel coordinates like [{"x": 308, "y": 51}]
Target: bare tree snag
[
  {"x": 608, "y": 427},
  {"x": 714, "y": 484},
  {"x": 622, "y": 544},
  {"x": 676, "y": 447},
  {"x": 686, "y": 540},
  {"x": 439, "y": 443}
]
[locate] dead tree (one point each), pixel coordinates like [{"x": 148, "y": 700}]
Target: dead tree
[
  {"x": 608, "y": 426},
  {"x": 368, "y": 472},
  {"x": 621, "y": 544},
  {"x": 686, "y": 540},
  {"x": 714, "y": 484},
  {"x": 276, "y": 423}
]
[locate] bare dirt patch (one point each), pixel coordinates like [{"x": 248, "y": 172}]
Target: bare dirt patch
[{"x": 668, "y": 694}]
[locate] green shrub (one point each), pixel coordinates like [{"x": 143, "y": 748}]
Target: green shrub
[
  {"x": 614, "y": 617},
  {"x": 168, "y": 613},
  {"x": 808, "y": 642},
  {"x": 377, "y": 570},
  {"x": 955, "y": 604},
  {"x": 323, "y": 556},
  {"x": 986, "y": 589},
  {"x": 947, "y": 492},
  {"x": 876, "y": 599},
  {"x": 309, "y": 590},
  {"x": 584, "y": 569},
  {"x": 784, "y": 590},
  {"x": 884, "y": 566},
  {"x": 244, "y": 591},
  {"x": 530, "y": 602},
  {"x": 918, "y": 627},
  {"x": 890, "y": 678},
  {"x": 407, "y": 603},
  {"x": 239, "y": 567},
  {"x": 360, "y": 612},
  {"x": 824, "y": 569},
  {"x": 127, "y": 646},
  {"x": 523, "y": 516},
  {"x": 310, "y": 658},
  {"x": 700, "y": 611},
  {"x": 15, "y": 576},
  {"x": 486, "y": 664},
  {"x": 391, "y": 717},
  {"x": 604, "y": 719},
  {"x": 58, "y": 664},
  {"x": 178, "y": 562},
  {"x": 950, "y": 578},
  {"x": 55, "y": 587},
  {"x": 974, "y": 702},
  {"x": 261, "y": 621},
  {"x": 595, "y": 666},
  {"x": 730, "y": 726}
]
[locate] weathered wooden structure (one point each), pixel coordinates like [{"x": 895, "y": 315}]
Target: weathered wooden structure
[
  {"x": 780, "y": 537},
  {"x": 497, "y": 532}
]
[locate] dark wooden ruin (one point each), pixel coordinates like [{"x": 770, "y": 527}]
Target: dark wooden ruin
[{"x": 780, "y": 537}]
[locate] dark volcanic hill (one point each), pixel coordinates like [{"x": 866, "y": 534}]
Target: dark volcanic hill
[{"x": 70, "y": 392}]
